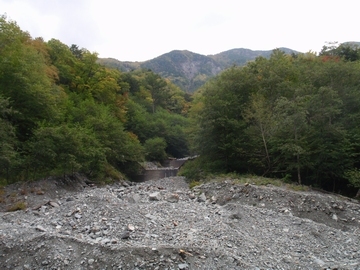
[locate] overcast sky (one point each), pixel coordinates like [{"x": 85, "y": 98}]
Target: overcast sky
[{"x": 138, "y": 30}]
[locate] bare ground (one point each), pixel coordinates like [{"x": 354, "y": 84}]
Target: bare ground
[{"x": 162, "y": 224}]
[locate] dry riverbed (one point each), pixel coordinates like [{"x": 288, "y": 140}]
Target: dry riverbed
[{"x": 162, "y": 224}]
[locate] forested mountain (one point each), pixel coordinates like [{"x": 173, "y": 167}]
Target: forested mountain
[{"x": 190, "y": 70}]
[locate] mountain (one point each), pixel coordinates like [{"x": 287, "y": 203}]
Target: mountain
[
  {"x": 190, "y": 70},
  {"x": 240, "y": 57}
]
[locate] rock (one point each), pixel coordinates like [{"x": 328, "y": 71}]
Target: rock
[
  {"x": 155, "y": 196},
  {"x": 125, "y": 235},
  {"x": 235, "y": 216},
  {"x": 202, "y": 197},
  {"x": 40, "y": 228},
  {"x": 91, "y": 261},
  {"x": 125, "y": 184},
  {"x": 183, "y": 266},
  {"x": 106, "y": 241},
  {"x": 131, "y": 228},
  {"x": 334, "y": 217},
  {"x": 321, "y": 263},
  {"x": 54, "y": 204},
  {"x": 173, "y": 198},
  {"x": 134, "y": 198},
  {"x": 151, "y": 217}
]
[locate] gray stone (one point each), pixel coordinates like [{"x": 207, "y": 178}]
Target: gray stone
[
  {"x": 54, "y": 204},
  {"x": 150, "y": 216},
  {"x": 202, "y": 198},
  {"x": 173, "y": 198},
  {"x": 125, "y": 235},
  {"x": 105, "y": 241},
  {"x": 134, "y": 198},
  {"x": 155, "y": 196},
  {"x": 40, "y": 228},
  {"x": 183, "y": 266}
]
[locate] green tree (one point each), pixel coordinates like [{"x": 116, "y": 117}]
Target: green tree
[
  {"x": 24, "y": 79},
  {"x": 155, "y": 149},
  {"x": 290, "y": 134},
  {"x": 64, "y": 150},
  {"x": 158, "y": 89},
  {"x": 8, "y": 154},
  {"x": 220, "y": 126},
  {"x": 259, "y": 115}
]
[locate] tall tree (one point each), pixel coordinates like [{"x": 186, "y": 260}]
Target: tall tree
[
  {"x": 158, "y": 89},
  {"x": 24, "y": 79}
]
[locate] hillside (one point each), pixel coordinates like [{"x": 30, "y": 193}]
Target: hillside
[{"x": 190, "y": 70}]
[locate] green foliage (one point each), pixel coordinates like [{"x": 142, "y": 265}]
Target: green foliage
[
  {"x": 193, "y": 184},
  {"x": 220, "y": 132},
  {"x": 354, "y": 177},
  {"x": 347, "y": 51},
  {"x": 197, "y": 169},
  {"x": 169, "y": 126},
  {"x": 8, "y": 154},
  {"x": 61, "y": 112},
  {"x": 155, "y": 149},
  {"x": 64, "y": 150},
  {"x": 286, "y": 115},
  {"x": 25, "y": 80}
]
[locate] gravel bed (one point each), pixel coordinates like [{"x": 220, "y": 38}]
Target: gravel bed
[{"x": 162, "y": 224}]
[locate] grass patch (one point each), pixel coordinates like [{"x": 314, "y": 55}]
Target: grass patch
[
  {"x": 196, "y": 172},
  {"x": 254, "y": 180},
  {"x": 298, "y": 187},
  {"x": 194, "y": 183},
  {"x": 17, "y": 206}
]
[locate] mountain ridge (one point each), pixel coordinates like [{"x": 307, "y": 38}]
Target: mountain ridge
[{"x": 189, "y": 70}]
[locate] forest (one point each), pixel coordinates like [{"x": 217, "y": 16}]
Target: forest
[
  {"x": 61, "y": 112},
  {"x": 294, "y": 117},
  {"x": 289, "y": 116}
]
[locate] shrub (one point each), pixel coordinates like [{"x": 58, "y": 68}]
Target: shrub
[
  {"x": 155, "y": 149},
  {"x": 17, "y": 206}
]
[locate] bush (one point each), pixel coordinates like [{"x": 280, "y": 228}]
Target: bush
[
  {"x": 193, "y": 170},
  {"x": 155, "y": 149}
]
